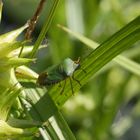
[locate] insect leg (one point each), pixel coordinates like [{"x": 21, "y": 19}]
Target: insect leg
[
  {"x": 78, "y": 62},
  {"x": 76, "y": 79},
  {"x": 71, "y": 85},
  {"x": 63, "y": 87},
  {"x": 83, "y": 70}
]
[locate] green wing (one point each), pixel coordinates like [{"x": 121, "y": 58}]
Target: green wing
[{"x": 69, "y": 66}]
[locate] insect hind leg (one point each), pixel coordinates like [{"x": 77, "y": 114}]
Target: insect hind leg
[
  {"x": 63, "y": 87},
  {"x": 71, "y": 85},
  {"x": 76, "y": 80}
]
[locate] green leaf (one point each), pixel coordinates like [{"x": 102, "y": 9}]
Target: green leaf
[
  {"x": 6, "y": 131},
  {"x": 58, "y": 128},
  {"x": 11, "y": 36},
  {"x": 109, "y": 49},
  {"x": 7, "y": 63},
  {"x": 120, "y": 59},
  {"x": 91, "y": 64},
  {"x": 8, "y": 48},
  {"x": 8, "y": 97},
  {"x": 18, "y": 61},
  {"x": 26, "y": 73},
  {"x": 26, "y": 51},
  {"x": 23, "y": 123},
  {"x": 52, "y": 119}
]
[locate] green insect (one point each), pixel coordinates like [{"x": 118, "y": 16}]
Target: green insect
[{"x": 59, "y": 73}]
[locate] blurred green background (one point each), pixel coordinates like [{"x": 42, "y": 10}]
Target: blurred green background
[{"x": 108, "y": 107}]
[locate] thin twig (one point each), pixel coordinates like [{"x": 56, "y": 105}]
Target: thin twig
[{"x": 32, "y": 22}]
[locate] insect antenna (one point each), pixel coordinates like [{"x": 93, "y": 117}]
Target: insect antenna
[
  {"x": 78, "y": 62},
  {"x": 63, "y": 87}
]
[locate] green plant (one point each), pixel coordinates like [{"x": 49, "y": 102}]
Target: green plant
[{"x": 21, "y": 98}]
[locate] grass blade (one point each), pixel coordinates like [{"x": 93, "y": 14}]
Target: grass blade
[
  {"x": 120, "y": 59},
  {"x": 116, "y": 44}
]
